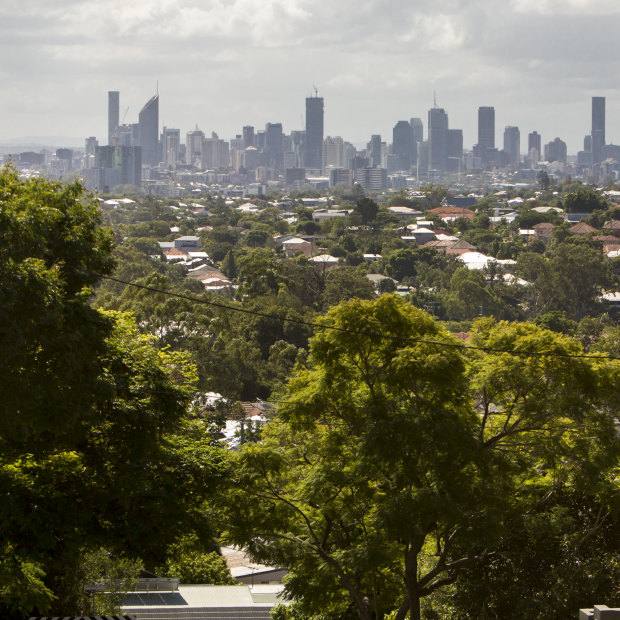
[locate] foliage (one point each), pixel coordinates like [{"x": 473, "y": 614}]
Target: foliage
[
  {"x": 584, "y": 200},
  {"x": 346, "y": 283},
  {"x": 94, "y": 431},
  {"x": 192, "y": 564},
  {"x": 397, "y": 464}
]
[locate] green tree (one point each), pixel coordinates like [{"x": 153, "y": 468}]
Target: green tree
[
  {"x": 367, "y": 208},
  {"x": 584, "y": 200},
  {"x": 396, "y": 463},
  {"x": 346, "y": 283},
  {"x": 191, "y": 564},
  {"x": 94, "y": 430}
]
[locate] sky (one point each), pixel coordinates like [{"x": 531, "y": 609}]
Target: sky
[{"x": 222, "y": 64}]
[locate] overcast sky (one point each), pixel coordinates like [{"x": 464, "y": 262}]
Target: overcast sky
[{"x": 222, "y": 64}]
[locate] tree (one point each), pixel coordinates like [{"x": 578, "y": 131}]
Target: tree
[
  {"x": 469, "y": 296},
  {"x": 367, "y": 208},
  {"x": 396, "y": 462},
  {"x": 94, "y": 425},
  {"x": 186, "y": 562},
  {"x": 584, "y": 200},
  {"x": 345, "y": 283}
]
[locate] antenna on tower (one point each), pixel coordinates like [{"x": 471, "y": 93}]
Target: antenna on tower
[
  {"x": 316, "y": 91},
  {"x": 157, "y": 87},
  {"x": 434, "y": 98}
]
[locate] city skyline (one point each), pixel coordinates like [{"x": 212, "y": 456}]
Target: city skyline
[{"x": 372, "y": 67}]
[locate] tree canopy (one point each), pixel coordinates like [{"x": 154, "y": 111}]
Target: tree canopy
[
  {"x": 97, "y": 447},
  {"x": 399, "y": 461}
]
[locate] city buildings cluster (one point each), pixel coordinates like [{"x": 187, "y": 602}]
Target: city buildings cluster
[{"x": 162, "y": 161}]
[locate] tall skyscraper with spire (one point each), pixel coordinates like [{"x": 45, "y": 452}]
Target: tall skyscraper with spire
[
  {"x": 437, "y": 139},
  {"x": 314, "y": 132}
]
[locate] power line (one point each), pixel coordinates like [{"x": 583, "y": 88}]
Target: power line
[{"x": 316, "y": 325}]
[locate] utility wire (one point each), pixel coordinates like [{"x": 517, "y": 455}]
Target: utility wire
[{"x": 316, "y": 325}]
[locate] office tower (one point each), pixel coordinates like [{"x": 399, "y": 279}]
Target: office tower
[
  {"x": 418, "y": 131},
  {"x": 314, "y": 132},
  {"x": 598, "y": 127},
  {"x": 215, "y": 153},
  {"x": 248, "y": 136},
  {"x": 403, "y": 144},
  {"x": 171, "y": 147},
  {"x": 486, "y": 128},
  {"x": 455, "y": 150},
  {"x": 91, "y": 145},
  {"x": 555, "y": 151},
  {"x": 372, "y": 179},
  {"x": 117, "y": 165},
  {"x": 512, "y": 146},
  {"x": 298, "y": 146},
  {"x": 333, "y": 153},
  {"x": 113, "y": 118},
  {"x": 534, "y": 147},
  {"x": 194, "y": 145},
  {"x": 437, "y": 139},
  {"x": 148, "y": 120},
  {"x": 374, "y": 148},
  {"x": 274, "y": 146}
]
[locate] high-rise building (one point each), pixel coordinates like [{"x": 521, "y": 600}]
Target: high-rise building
[
  {"x": 274, "y": 145},
  {"x": 598, "y": 127},
  {"x": 486, "y": 127},
  {"x": 403, "y": 144},
  {"x": 374, "y": 148},
  {"x": 113, "y": 116},
  {"x": 512, "y": 146},
  {"x": 248, "y": 136},
  {"x": 194, "y": 142},
  {"x": 333, "y": 153},
  {"x": 455, "y": 150},
  {"x": 91, "y": 145},
  {"x": 534, "y": 147},
  {"x": 314, "y": 132},
  {"x": 171, "y": 147},
  {"x": 437, "y": 139},
  {"x": 555, "y": 151},
  {"x": 117, "y": 165},
  {"x": 148, "y": 120},
  {"x": 418, "y": 131}
]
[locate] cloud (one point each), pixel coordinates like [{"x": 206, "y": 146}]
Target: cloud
[{"x": 567, "y": 7}]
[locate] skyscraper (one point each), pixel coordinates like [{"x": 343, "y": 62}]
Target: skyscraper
[
  {"x": 248, "y": 136},
  {"x": 454, "y": 150},
  {"x": 194, "y": 147},
  {"x": 274, "y": 146},
  {"x": 314, "y": 132},
  {"x": 486, "y": 131},
  {"x": 555, "y": 151},
  {"x": 598, "y": 127},
  {"x": 418, "y": 131},
  {"x": 512, "y": 146},
  {"x": 148, "y": 120},
  {"x": 534, "y": 147},
  {"x": 403, "y": 144},
  {"x": 113, "y": 116},
  {"x": 437, "y": 139},
  {"x": 486, "y": 126},
  {"x": 375, "y": 151},
  {"x": 170, "y": 147}
]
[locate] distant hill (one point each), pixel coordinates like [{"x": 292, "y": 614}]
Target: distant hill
[{"x": 38, "y": 143}]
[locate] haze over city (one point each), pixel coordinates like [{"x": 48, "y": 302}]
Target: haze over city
[{"x": 223, "y": 65}]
